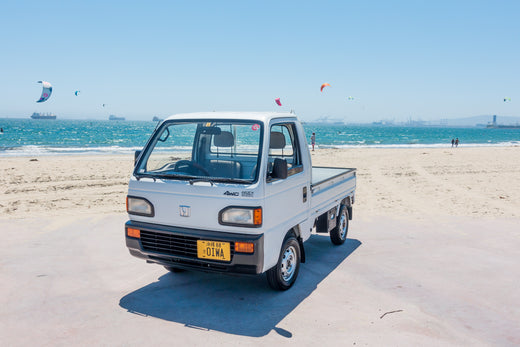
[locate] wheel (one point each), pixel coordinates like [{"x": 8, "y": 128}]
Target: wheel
[
  {"x": 338, "y": 235},
  {"x": 174, "y": 269},
  {"x": 283, "y": 275},
  {"x": 191, "y": 166}
]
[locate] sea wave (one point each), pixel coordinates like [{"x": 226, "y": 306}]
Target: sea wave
[
  {"x": 421, "y": 145},
  {"x": 33, "y": 150}
]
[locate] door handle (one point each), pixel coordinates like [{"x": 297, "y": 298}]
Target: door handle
[{"x": 305, "y": 194}]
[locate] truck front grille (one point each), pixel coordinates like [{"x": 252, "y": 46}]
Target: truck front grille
[{"x": 172, "y": 244}]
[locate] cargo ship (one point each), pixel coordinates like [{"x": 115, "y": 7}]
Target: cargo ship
[
  {"x": 37, "y": 115},
  {"x": 112, "y": 117}
]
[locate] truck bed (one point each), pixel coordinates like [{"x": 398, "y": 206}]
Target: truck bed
[
  {"x": 329, "y": 185},
  {"x": 322, "y": 174}
]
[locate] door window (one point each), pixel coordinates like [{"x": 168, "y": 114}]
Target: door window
[{"x": 284, "y": 145}]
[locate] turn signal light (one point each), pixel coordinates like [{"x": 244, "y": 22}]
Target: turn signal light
[
  {"x": 131, "y": 232},
  {"x": 244, "y": 247},
  {"x": 257, "y": 216}
]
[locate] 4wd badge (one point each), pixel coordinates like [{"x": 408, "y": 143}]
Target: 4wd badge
[{"x": 184, "y": 211}]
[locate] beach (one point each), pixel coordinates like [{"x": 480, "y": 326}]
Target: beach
[
  {"x": 400, "y": 182},
  {"x": 431, "y": 259}
]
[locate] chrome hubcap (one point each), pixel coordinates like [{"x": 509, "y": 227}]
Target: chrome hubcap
[
  {"x": 288, "y": 263},
  {"x": 343, "y": 226}
]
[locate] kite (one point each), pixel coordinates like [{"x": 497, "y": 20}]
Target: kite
[
  {"x": 76, "y": 92},
  {"x": 507, "y": 99},
  {"x": 350, "y": 98},
  {"x": 104, "y": 105},
  {"x": 324, "y": 85},
  {"x": 278, "y": 102},
  {"x": 46, "y": 92}
]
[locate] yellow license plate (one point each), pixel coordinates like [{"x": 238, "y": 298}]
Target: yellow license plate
[{"x": 215, "y": 250}]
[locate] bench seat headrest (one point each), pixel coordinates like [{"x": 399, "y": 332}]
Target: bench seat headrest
[
  {"x": 224, "y": 139},
  {"x": 277, "y": 140}
]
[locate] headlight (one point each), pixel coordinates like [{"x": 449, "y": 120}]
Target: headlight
[
  {"x": 241, "y": 216},
  {"x": 139, "y": 206}
]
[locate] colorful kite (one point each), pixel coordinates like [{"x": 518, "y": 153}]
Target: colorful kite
[
  {"x": 76, "y": 92},
  {"x": 277, "y": 100},
  {"x": 46, "y": 92},
  {"x": 324, "y": 85}
]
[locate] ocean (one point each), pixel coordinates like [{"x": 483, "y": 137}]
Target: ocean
[{"x": 28, "y": 137}]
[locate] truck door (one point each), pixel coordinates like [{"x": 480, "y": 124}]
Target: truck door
[{"x": 287, "y": 200}]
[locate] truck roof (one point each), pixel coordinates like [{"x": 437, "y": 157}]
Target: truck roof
[{"x": 258, "y": 116}]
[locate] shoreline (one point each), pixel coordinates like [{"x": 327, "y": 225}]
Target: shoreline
[
  {"x": 409, "y": 183},
  {"x": 46, "y": 151}
]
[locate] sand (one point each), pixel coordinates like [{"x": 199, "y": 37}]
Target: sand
[
  {"x": 407, "y": 183},
  {"x": 431, "y": 260}
]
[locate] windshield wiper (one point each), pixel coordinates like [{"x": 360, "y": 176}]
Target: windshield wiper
[
  {"x": 193, "y": 179},
  {"x": 162, "y": 175},
  {"x": 172, "y": 175}
]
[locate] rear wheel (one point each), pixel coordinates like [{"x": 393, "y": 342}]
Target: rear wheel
[
  {"x": 174, "y": 269},
  {"x": 283, "y": 275},
  {"x": 338, "y": 235}
]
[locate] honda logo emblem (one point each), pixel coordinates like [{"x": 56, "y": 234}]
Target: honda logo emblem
[{"x": 184, "y": 211}]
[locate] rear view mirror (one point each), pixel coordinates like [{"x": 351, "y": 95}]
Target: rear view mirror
[
  {"x": 211, "y": 130},
  {"x": 165, "y": 134},
  {"x": 279, "y": 169}
]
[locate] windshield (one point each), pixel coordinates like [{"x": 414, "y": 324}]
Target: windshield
[{"x": 212, "y": 150}]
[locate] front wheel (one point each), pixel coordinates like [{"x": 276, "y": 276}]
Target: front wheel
[
  {"x": 283, "y": 275},
  {"x": 338, "y": 235}
]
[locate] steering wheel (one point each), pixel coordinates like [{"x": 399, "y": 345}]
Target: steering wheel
[{"x": 191, "y": 165}]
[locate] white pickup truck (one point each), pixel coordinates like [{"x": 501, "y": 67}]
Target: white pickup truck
[{"x": 234, "y": 193}]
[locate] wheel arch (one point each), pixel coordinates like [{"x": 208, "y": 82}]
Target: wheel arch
[
  {"x": 296, "y": 232},
  {"x": 348, "y": 203}
]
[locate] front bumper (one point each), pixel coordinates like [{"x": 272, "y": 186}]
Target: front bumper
[{"x": 177, "y": 247}]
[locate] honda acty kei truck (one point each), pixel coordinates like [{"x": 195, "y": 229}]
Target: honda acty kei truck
[{"x": 236, "y": 193}]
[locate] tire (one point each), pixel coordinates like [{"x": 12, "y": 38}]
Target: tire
[
  {"x": 338, "y": 235},
  {"x": 283, "y": 275},
  {"x": 174, "y": 269}
]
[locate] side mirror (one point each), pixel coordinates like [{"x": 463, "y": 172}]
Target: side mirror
[
  {"x": 279, "y": 169},
  {"x": 136, "y": 156}
]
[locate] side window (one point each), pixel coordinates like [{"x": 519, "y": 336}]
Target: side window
[{"x": 284, "y": 145}]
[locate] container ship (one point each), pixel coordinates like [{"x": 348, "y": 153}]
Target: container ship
[
  {"x": 112, "y": 117},
  {"x": 37, "y": 115}
]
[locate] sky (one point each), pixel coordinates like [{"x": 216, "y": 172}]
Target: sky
[{"x": 423, "y": 60}]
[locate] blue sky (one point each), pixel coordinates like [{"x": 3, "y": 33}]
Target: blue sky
[{"x": 398, "y": 59}]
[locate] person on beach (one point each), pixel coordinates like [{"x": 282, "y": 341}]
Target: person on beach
[
  {"x": 313, "y": 140},
  {"x": 457, "y": 142},
  {"x": 452, "y": 142}
]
